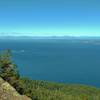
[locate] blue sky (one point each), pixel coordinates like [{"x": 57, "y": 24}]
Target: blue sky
[{"x": 50, "y": 17}]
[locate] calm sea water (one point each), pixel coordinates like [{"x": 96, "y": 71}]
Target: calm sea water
[{"x": 56, "y": 60}]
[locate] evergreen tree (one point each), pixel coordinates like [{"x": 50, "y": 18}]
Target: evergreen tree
[{"x": 8, "y": 70}]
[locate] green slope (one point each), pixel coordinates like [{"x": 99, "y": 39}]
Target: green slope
[{"x": 42, "y": 90}]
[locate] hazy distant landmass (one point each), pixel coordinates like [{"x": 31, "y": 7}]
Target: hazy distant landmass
[
  {"x": 79, "y": 39},
  {"x": 28, "y": 35},
  {"x": 18, "y": 35}
]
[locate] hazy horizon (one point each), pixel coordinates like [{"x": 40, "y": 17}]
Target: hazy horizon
[{"x": 32, "y": 35}]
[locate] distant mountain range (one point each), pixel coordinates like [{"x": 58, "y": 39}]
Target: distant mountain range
[
  {"x": 72, "y": 39},
  {"x": 28, "y": 35}
]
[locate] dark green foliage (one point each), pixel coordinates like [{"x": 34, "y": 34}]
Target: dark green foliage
[
  {"x": 43, "y": 90},
  {"x": 8, "y": 69}
]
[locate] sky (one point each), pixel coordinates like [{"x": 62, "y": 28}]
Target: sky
[{"x": 50, "y": 17}]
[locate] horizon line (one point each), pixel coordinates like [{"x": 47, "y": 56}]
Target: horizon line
[{"x": 49, "y": 36}]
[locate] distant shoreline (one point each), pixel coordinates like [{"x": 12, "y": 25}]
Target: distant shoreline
[{"x": 49, "y": 37}]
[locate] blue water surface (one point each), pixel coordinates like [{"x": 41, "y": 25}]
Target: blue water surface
[{"x": 56, "y": 60}]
